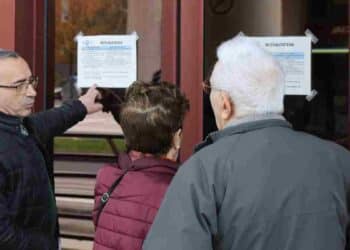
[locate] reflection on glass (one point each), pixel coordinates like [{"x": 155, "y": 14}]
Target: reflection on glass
[
  {"x": 88, "y": 17},
  {"x": 107, "y": 17},
  {"x": 329, "y": 20},
  {"x": 328, "y": 114}
]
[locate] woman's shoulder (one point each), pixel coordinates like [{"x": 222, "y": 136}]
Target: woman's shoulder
[{"x": 108, "y": 171}]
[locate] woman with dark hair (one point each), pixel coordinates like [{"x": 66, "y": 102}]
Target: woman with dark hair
[{"x": 129, "y": 193}]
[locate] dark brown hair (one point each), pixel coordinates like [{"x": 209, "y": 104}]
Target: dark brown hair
[{"x": 150, "y": 116}]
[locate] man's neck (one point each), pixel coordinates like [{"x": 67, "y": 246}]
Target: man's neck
[{"x": 253, "y": 118}]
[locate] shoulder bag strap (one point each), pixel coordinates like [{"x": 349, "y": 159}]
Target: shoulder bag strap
[{"x": 105, "y": 197}]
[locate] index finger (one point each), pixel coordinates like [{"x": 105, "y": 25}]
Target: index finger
[{"x": 91, "y": 90}]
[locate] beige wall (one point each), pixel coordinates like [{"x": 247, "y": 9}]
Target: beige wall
[
  {"x": 258, "y": 17},
  {"x": 253, "y": 17},
  {"x": 294, "y": 17},
  {"x": 144, "y": 17}
]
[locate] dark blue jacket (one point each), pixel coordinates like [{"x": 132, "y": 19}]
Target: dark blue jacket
[{"x": 27, "y": 205}]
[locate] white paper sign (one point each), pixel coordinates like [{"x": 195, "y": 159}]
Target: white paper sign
[
  {"x": 107, "y": 60},
  {"x": 294, "y": 54}
]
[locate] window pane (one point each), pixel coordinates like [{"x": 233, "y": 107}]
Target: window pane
[
  {"x": 327, "y": 115},
  {"x": 105, "y": 17}
]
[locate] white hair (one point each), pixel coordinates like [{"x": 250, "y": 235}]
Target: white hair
[{"x": 250, "y": 75}]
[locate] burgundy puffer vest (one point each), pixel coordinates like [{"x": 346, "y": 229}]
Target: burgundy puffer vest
[{"x": 128, "y": 215}]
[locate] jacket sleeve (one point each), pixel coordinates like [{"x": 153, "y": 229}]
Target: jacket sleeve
[
  {"x": 344, "y": 162},
  {"x": 11, "y": 236},
  {"x": 57, "y": 120},
  {"x": 187, "y": 218}
]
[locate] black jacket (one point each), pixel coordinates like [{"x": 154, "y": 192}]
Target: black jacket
[
  {"x": 257, "y": 186},
  {"x": 27, "y": 205}
]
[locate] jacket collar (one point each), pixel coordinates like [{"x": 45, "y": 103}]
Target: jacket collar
[
  {"x": 12, "y": 124},
  {"x": 125, "y": 163},
  {"x": 254, "y": 118},
  {"x": 241, "y": 128},
  {"x": 10, "y": 120}
]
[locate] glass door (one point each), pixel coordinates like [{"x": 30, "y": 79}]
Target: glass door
[{"x": 90, "y": 144}]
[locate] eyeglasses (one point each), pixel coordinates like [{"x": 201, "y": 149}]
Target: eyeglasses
[
  {"x": 22, "y": 85},
  {"x": 206, "y": 87},
  {"x": 206, "y": 84}
]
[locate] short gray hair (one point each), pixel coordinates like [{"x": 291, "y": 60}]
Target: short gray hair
[
  {"x": 252, "y": 77},
  {"x": 4, "y": 54}
]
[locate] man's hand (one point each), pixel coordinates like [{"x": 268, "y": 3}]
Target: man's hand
[{"x": 89, "y": 100}]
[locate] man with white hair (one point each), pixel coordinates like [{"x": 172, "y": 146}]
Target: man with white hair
[{"x": 256, "y": 184}]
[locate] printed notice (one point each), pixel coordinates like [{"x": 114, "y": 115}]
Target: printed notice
[
  {"x": 107, "y": 60},
  {"x": 294, "y": 54}
]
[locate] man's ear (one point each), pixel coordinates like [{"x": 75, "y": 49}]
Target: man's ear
[{"x": 227, "y": 111}]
